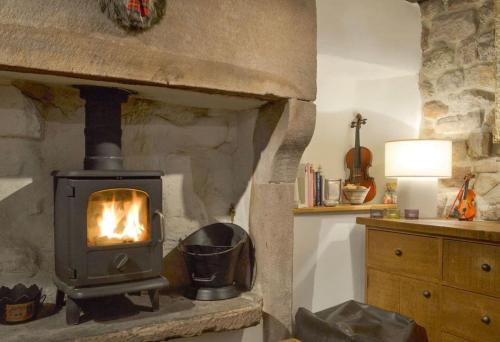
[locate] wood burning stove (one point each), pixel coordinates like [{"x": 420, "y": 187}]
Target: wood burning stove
[{"x": 108, "y": 221}]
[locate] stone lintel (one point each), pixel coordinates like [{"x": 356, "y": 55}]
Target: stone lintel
[{"x": 236, "y": 47}]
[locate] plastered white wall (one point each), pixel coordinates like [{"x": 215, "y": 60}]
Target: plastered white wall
[
  {"x": 368, "y": 62},
  {"x": 328, "y": 266},
  {"x": 369, "y": 59}
]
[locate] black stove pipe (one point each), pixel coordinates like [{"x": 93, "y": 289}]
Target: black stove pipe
[{"x": 103, "y": 132}]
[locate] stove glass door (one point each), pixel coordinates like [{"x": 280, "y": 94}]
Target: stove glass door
[{"x": 117, "y": 216}]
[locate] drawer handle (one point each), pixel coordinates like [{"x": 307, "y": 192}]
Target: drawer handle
[
  {"x": 426, "y": 294},
  {"x": 486, "y": 267},
  {"x": 398, "y": 252},
  {"x": 486, "y": 319}
]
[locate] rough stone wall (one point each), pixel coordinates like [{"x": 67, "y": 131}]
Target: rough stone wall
[
  {"x": 458, "y": 84},
  {"x": 206, "y": 155}
]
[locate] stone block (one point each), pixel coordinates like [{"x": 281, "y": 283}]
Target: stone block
[
  {"x": 489, "y": 121},
  {"x": 453, "y": 27},
  {"x": 426, "y": 89},
  {"x": 435, "y": 110},
  {"x": 206, "y": 132},
  {"x": 424, "y": 40},
  {"x": 194, "y": 45},
  {"x": 493, "y": 196},
  {"x": 485, "y": 182},
  {"x": 456, "y": 5},
  {"x": 20, "y": 157},
  {"x": 467, "y": 52},
  {"x": 459, "y": 126},
  {"x": 489, "y": 208},
  {"x": 437, "y": 61},
  {"x": 271, "y": 226},
  {"x": 450, "y": 81},
  {"x": 427, "y": 128},
  {"x": 18, "y": 115},
  {"x": 471, "y": 100},
  {"x": 429, "y": 9},
  {"x": 486, "y": 48},
  {"x": 479, "y": 144},
  {"x": 17, "y": 258},
  {"x": 459, "y": 151},
  {"x": 486, "y": 15},
  {"x": 457, "y": 177},
  {"x": 490, "y": 165},
  {"x": 178, "y": 317},
  {"x": 481, "y": 76}
]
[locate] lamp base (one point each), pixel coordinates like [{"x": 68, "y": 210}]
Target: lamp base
[{"x": 418, "y": 193}]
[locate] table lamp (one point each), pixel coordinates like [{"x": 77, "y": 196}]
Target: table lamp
[{"x": 417, "y": 164}]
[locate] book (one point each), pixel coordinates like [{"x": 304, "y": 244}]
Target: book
[{"x": 309, "y": 186}]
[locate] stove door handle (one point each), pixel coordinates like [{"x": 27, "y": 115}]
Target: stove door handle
[{"x": 162, "y": 225}]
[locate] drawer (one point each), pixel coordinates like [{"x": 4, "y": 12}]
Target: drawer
[
  {"x": 472, "y": 316},
  {"x": 472, "y": 266},
  {"x": 382, "y": 290},
  {"x": 420, "y": 300},
  {"x": 404, "y": 253}
]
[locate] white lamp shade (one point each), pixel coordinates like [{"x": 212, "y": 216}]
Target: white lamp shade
[{"x": 418, "y": 158}]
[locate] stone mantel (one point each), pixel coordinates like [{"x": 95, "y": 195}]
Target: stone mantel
[
  {"x": 260, "y": 48},
  {"x": 178, "y": 317}
]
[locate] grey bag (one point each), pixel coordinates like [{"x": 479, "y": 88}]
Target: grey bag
[{"x": 353, "y": 321}]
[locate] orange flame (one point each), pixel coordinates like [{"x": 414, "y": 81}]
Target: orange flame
[{"x": 121, "y": 220}]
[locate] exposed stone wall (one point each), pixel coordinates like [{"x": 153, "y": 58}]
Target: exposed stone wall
[
  {"x": 458, "y": 84},
  {"x": 206, "y": 155}
]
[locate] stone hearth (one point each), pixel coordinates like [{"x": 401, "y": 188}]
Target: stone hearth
[{"x": 130, "y": 320}]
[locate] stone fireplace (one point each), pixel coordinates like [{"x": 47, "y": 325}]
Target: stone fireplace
[{"x": 225, "y": 117}]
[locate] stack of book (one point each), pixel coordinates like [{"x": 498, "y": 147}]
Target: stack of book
[{"x": 309, "y": 186}]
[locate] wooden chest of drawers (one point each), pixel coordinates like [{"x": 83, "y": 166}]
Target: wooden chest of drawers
[{"x": 444, "y": 274}]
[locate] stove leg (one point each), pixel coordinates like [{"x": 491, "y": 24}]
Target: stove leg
[
  {"x": 72, "y": 312},
  {"x": 60, "y": 299},
  {"x": 154, "y": 296}
]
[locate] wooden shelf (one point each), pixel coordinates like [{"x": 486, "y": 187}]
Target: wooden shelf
[{"x": 343, "y": 208}]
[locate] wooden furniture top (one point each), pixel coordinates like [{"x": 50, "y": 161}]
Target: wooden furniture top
[
  {"x": 343, "y": 208},
  {"x": 475, "y": 230}
]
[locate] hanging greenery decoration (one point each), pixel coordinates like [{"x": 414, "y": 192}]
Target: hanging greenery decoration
[{"x": 134, "y": 14}]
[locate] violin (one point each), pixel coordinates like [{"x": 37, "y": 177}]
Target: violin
[
  {"x": 466, "y": 208},
  {"x": 359, "y": 160}
]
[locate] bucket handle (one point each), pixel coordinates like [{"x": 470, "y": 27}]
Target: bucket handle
[{"x": 203, "y": 280}]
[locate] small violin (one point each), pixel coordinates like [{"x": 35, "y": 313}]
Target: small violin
[
  {"x": 466, "y": 208},
  {"x": 359, "y": 160}
]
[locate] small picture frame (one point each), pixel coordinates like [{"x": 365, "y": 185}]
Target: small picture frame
[
  {"x": 376, "y": 213},
  {"x": 411, "y": 214}
]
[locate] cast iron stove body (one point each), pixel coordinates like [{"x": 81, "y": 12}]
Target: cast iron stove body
[{"x": 108, "y": 221}]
